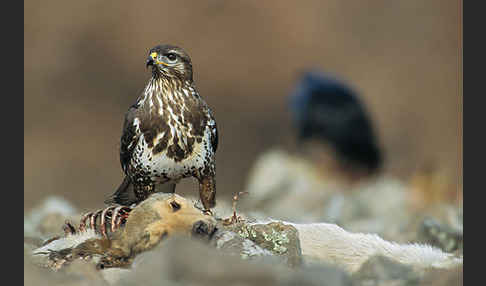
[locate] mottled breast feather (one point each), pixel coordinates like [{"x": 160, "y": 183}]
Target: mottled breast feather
[
  {"x": 172, "y": 121},
  {"x": 169, "y": 134}
]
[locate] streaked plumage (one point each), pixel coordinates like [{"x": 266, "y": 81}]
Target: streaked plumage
[{"x": 168, "y": 134}]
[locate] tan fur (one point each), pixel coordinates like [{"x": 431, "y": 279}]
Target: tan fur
[
  {"x": 148, "y": 223},
  {"x": 154, "y": 219}
]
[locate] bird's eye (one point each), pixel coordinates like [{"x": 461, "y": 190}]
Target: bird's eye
[{"x": 171, "y": 57}]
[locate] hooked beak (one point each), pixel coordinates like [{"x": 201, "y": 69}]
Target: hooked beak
[
  {"x": 150, "y": 62},
  {"x": 151, "y": 59}
]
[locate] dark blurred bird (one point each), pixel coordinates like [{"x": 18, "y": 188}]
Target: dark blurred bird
[
  {"x": 328, "y": 110},
  {"x": 168, "y": 134}
]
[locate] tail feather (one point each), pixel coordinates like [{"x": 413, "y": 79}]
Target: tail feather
[{"x": 124, "y": 195}]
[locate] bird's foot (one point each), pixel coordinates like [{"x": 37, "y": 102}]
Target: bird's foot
[{"x": 113, "y": 215}]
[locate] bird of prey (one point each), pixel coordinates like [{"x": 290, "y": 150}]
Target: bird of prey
[
  {"x": 168, "y": 134},
  {"x": 326, "y": 109}
]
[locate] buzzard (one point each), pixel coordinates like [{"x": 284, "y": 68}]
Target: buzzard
[{"x": 169, "y": 133}]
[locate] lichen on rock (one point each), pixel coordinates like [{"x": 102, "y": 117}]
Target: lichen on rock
[{"x": 278, "y": 238}]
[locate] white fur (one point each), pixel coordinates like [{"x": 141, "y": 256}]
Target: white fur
[
  {"x": 69, "y": 241},
  {"x": 332, "y": 244},
  {"x": 328, "y": 243}
]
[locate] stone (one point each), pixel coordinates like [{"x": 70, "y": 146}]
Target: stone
[{"x": 278, "y": 238}]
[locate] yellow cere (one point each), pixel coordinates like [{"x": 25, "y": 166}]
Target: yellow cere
[{"x": 154, "y": 56}]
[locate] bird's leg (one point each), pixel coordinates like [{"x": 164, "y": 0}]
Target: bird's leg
[
  {"x": 143, "y": 191},
  {"x": 207, "y": 193}
]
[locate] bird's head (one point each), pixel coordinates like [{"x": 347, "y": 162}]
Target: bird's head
[{"x": 170, "y": 62}]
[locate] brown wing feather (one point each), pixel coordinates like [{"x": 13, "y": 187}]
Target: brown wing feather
[
  {"x": 129, "y": 138},
  {"x": 214, "y": 137},
  {"x": 125, "y": 195},
  {"x": 213, "y": 127}
]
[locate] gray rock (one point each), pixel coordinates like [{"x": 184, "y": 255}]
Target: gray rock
[
  {"x": 79, "y": 273},
  {"x": 441, "y": 235},
  {"x": 442, "y": 277},
  {"x": 278, "y": 238},
  {"x": 182, "y": 261},
  {"x": 379, "y": 270},
  {"x": 232, "y": 243}
]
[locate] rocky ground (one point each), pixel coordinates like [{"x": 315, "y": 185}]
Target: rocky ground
[{"x": 239, "y": 253}]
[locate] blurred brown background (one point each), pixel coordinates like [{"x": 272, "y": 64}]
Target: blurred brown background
[{"x": 84, "y": 66}]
